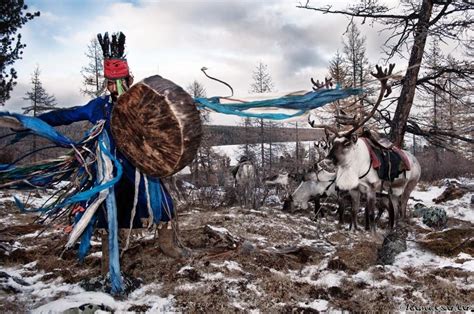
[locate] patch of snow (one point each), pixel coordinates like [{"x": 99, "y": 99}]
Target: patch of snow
[
  {"x": 363, "y": 276},
  {"x": 219, "y": 229},
  {"x": 427, "y": 196},
  {"x": 330, "y": 278},
  {"x": 416, "y": 257},
  {"x": 230, "y": 265},
  {"x": 318, "y": 304},
  {"x": 189, "y": 286},
  {"x": 459, "y": 208},
  {"x": 252, "y": 287},
  {"x": 184, "y": 268},
  {"x": 96, "y": 254},
  {"x": 463, "y": 255},
  {"x": 143, "y": 296},
  {"x": 214, "y": 276}
]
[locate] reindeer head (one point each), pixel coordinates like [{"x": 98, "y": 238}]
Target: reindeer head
[{"x": 342, "y": 150}]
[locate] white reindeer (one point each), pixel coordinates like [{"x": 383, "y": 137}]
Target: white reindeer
[
  {"x": 245, "y": 180},
  {"x": 316, "y": 184},
  {"x": 354, "y": 171},
  {"x": 279, "y": 181}
]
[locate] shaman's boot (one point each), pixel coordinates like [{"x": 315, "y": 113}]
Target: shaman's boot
[{"x": 168, "y": 242}]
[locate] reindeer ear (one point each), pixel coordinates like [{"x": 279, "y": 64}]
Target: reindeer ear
[{"x": 354, "y": 138}]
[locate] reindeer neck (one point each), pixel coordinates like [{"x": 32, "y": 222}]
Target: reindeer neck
[{"x": 356, "y": 165}]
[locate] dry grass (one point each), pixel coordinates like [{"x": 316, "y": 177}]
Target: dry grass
[{"x": 450, "y": 242}]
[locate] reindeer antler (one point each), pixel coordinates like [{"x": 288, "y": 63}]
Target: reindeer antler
[
  {"x": 318, "y": 85},
  {"x": 382, "y": 75},
  {"x": 321, "y": 126}
]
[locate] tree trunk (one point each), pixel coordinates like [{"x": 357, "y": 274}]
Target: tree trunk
[{"x": 407, "y": 93}]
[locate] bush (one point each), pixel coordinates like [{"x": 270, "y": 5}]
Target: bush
[
  {"x": 438, "y": 164},
  {"x": 435, "y": 217}
]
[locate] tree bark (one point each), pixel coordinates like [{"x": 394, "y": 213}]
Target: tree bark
[{"x": 407, "y": 93}]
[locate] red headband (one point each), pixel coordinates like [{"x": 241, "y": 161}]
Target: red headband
[{"x": 115, "y": 68}]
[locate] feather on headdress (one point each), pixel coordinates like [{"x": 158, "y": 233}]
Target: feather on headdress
[{"x": 115, "y": 64}]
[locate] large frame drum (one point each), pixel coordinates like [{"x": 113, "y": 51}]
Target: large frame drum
[{"x": 157, "y": 126}]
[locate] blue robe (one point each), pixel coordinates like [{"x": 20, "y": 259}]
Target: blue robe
[{"x": 101, "y": 109}]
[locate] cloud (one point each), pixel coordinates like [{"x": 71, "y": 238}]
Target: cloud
[{"x": 176, "y": 38}]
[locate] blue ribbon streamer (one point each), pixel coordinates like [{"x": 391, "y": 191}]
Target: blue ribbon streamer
[
  {"x": 114, "y": 256},
  {"x": 302, "y": 103}
]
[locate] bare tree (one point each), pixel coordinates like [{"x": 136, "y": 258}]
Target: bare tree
[
  {"x": 262, "y": 83},
  {"x": 203, "y": 161},
  {"x": 197, "y": 90},
  {"x": 355, "y": 55},
  {"x": 338, "y": 70},
  {"x": 409, "y": 26},
  {"x": 262, "y": 80},
  {"x": 92, "y": 74}
]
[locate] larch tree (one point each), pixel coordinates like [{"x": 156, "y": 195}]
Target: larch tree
[
  {"x": 262, "y": 83},
  {"x": 40, "y": 100},
  {"x": 92, "y": 73},
  {"x": 203, "y": 160},
  {"x": 408, "y": 27},
  {"x": 13, "y": 16},
  {"x": 355, "y": 55}
]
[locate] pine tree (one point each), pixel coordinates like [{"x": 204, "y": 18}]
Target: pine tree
[
  {"x": 92, "y": 74},
  {"x": 12, "y": 17},
  {"x": 40, "y": 100}
]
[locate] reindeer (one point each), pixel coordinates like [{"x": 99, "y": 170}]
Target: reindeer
[
  {"x": 280, "y": 181},
  {"x": 355, "y": 172},
  {"x": 245, "y": 180},
  {"x": 316, "y": 185},
  {"x": 321, "y": 183}
]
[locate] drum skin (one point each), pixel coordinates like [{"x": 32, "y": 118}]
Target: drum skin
[{"x": 157, "y": 126}]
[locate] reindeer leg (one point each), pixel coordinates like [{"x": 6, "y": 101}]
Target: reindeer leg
[
  {"x": 340, "y": 211},
  {"x": 367, "y": 219},
  {"x": 370, "y": 211},
  {"x": 405, "y": 196},
  {"x": 355, "y": 200},
  {"x": 397, "y": 209},
  {"x": 317, "y": 208}
]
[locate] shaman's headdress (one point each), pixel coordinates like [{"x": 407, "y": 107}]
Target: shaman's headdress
[{"x": 115, "y": 64}]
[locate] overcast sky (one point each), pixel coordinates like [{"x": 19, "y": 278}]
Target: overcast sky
[{"x": 175, "y": 38}]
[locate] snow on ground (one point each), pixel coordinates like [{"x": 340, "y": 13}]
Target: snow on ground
[
  {"x": 288, "y": 263},
  {"x": 461, "y": 208}
]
